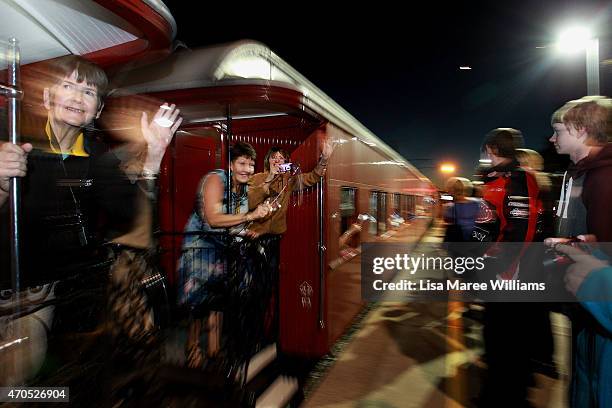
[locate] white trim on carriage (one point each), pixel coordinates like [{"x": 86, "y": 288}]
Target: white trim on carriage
[{"x": 53, "y": 28}]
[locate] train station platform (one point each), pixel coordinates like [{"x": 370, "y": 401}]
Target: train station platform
[{"x": 407, "y": 354}]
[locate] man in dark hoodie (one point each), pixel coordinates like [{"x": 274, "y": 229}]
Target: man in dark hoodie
[{"x": 582, "y": 130}]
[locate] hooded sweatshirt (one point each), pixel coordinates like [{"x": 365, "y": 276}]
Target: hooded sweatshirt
[
  {"x": 586, "y": 197},
  {"x": 584, "y": 207}
]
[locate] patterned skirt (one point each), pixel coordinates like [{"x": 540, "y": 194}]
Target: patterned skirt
[{"x": 201, "y": 271}]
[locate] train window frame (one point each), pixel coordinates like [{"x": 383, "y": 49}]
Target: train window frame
[
  {"x": 383, "y": 213},
  {"x": 346, "y": 218},
  {"x": 404, "y": 206},
  {"x": 373, "y": 211},
  {"x": 377, "y": 208},
  {"x": 409, "y": 206},
  {"x": 395, "y": 213},
  {"x": 397, "y": 202}
]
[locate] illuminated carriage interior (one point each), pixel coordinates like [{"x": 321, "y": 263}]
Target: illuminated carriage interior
[{"x": 245, "y": 91}]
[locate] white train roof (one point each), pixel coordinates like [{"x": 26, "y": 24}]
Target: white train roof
[
  {"x": 246, "y": 62},
  {"x": 47, "y": 29}
]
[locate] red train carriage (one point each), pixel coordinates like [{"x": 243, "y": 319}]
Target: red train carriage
[{"x": 243, "y": 91}]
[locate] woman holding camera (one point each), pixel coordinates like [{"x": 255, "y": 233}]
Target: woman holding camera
[{"x": 276, "y": 184}]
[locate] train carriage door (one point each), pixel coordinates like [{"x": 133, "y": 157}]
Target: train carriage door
[
  {"x": 194, "y": 153},
  {"x": 300, "y": 286},
  {"x": 267, "y": 125}
]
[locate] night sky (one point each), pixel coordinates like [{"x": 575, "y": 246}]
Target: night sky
[{"x": 397, "y": 71}]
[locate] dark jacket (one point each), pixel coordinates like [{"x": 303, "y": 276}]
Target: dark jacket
[
  {"x": 585, "y": 208},
  {"x": 69, "y": 207},
  {"x": 597, "y": 192}
]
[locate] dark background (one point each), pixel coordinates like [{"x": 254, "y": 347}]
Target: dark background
[{"x": 396, "y": 69}]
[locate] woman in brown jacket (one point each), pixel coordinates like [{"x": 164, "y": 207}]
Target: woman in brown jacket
[{"x": 276, "y": 184}]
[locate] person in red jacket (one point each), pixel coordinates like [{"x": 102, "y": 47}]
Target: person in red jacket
[{"x": 517, "y": 336}]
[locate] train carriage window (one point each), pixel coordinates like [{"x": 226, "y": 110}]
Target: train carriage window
[
  {"x": 382, "y": 212},
  {"x": 404, "y": 206},
  {"x": 372, "y": 226},
  {"x": 378, "y": 210},
  {"x": 350, "y": 222},
  {"x": 397, "y": 198},
  {"x": 419, "y": 205},
  {"x": 348, "y": 207},
  {"x": 410, "y": 206},
  {"x": 396, "y": 218}
]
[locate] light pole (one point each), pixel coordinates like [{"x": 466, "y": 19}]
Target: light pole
[
  {"x": 575, "y": 39},
  {"x": 592, "y": 66}
]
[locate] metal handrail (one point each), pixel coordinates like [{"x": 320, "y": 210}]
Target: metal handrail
[{"x": 13, "y": 94}]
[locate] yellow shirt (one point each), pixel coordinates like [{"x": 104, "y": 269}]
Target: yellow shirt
[{"x": 77, "y": 149}]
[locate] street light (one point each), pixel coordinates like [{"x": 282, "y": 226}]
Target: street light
[
  {"x": 575, "y": 39},
  {"x": 447, "y": 168}
]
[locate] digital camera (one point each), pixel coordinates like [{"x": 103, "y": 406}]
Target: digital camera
[{"x": 283, "y": 168}]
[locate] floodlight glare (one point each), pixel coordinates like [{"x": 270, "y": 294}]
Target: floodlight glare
[{"x": 574, "y": 39}]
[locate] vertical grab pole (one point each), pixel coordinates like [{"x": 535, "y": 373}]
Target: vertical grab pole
[
  {"x": 13, "y": 95},
  {"x": 322, "y": 249},
  {"x": 13, "y": 130},
  {"x": 228, "y": 147}
]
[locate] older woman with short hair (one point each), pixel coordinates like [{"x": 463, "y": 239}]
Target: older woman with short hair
[{"x": 202, "y": 262}]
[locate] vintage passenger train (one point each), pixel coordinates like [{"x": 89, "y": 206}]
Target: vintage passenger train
[{"x": 241, "y": 91}]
